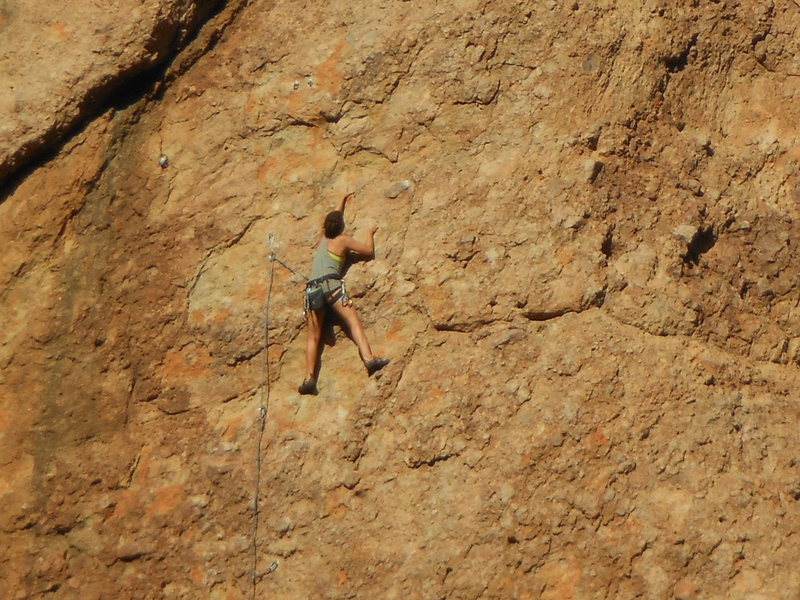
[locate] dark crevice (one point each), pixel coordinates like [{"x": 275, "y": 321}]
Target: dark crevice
[
  {"x": 417, "y": 463},
  {"x": 597, "y": 300},
  {"x": 678, "y": 62},
  {"x": 10, "y": 183},
  {"x": 117, "y": 94},
  {"x": 300, "y": 122},
  {"x": 133, "y": 89},
  {"x": 462, "y": 327},
  {"x": 744, "y": 289},
  {"x": 241, "y": 358},
  {"x": 53, "y": 587},
  {"x": 607, "y": 246},
  {"x": 702, "y": 241},
  {"x": 545, "y": 315},
  {"x": 62, "y": 529}
]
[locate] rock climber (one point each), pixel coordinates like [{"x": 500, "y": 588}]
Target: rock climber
[{"x": 325, "y": 289}]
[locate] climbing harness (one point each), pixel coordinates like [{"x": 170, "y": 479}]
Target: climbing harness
[
  {"x": 338, "y": 293},
  {"x": 263, "y": 410},
  {"x": 313, "y": 298},
  {"x": 321, "y": 295},
  {"x": 316, "y": 297}
]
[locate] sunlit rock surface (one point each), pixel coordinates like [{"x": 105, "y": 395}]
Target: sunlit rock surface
[{"x": 586, "y": 279}]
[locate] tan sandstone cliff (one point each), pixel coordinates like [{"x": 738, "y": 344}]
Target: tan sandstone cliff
[{"x": 586, "y": 279}]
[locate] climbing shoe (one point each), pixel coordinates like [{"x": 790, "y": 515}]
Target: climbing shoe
[
  {"x": 375, "y": 365},
  {"x": 308, "y": 387}
]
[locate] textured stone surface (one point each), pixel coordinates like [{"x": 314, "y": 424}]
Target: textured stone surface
[
  {"x": 586, "y": 279},
  {"x": 57, "y": 62}
]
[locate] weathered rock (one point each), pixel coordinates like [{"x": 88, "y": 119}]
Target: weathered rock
[
  {"x": 59, "y": 66},
  {"x": 591, "y": 392}
]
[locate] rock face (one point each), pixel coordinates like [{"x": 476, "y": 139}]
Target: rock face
[
  {"x": 58, "y": 64},
  {"x": 586, "y": 279}
]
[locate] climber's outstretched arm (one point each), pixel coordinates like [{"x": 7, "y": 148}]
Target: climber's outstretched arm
[{"x": 343, "y": 201}]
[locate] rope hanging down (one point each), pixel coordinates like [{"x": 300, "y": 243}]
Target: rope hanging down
[
  {"x": 263, "y": 409},
  {"x": 262, "y": 416}
]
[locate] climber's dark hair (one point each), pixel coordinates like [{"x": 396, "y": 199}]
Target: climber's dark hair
[{"x": 334, "y": 224}]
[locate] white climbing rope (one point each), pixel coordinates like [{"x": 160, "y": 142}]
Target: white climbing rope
[{"x": 263, "y": 411}]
